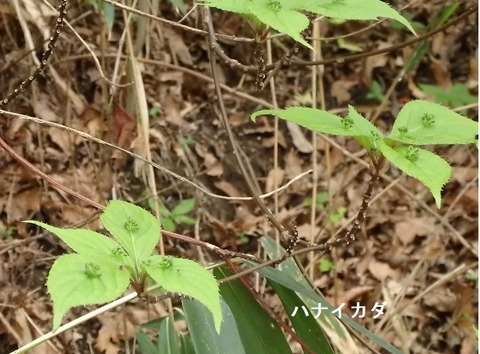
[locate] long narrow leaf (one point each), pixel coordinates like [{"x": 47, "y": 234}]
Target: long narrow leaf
[
  {"x": 305, "y": 326},
  {"x": 289, "y": 269},
  {"x": 259, "y": 332},
  {"x": 204, "y": 336}
]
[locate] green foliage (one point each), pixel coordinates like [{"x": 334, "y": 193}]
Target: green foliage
[
  {"x": 203, "y": 335},
  {"x": 457, "y": 95},
  {"x": 108, "y": 11},
  {"x": 418, "y": 123},
  {"x": 424, "y": 123},
  {"x": 153, "y": 112},
  {"x": 375, "y": 92},
  {"x": 290, "y": 276},
  {"x": 6, "y": 233},
  {"x": 101, "y": 268},
  {"x": 169, "y": 342},
  {"x": 284, "y": 15},
  {"x": 259, "y": 332},
  {"x": 472, "y": 275},
  {"x": 337, "y": 215},
  {"x": 409, "y": 17},
  {"x": 171, "y": 219},
  {"x": 325, "y": 265},
  {"x": 320, "y": 200}
]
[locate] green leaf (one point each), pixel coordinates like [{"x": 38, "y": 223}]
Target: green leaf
[
  {"x": 145, "y": 344},
  {"x": 326, "y": 265},
  {"x": 279, "y": 15},
  {"x": 186, "y": 277},
  {"x": 375, "y": 92},
  {"x": 259, "y": 332},
  {"x": 133, "y": 227},
  {"x": 201, "y": 327},
  {"x": 338, "y": 215},
  {"x": 321, "y": 199},
  {"x": 427, "y": 167},
  {"x": 75, "y": 280},
  {"x": 238, "y": 6},
  {"x": 351, "y": 46},
  {"x": 457, "y": 95},
  {"x": 109, "y": 14},
  {"x": 409, "y": 17},
  {"x": 289, "y": 275},
  {"x": 167, "y": 338},
  {"x": 87, "y": 242},
  {"x": 322, "y": 121},
  {"x": 355, "y": 10},
  {"x": 184, "y": 207},
  {"x": 186, "y": 343},
  {"x": 422, "y": 122},
  {"x": 168, "y": 224},
  {"x": 305, "y": 326},
  {"x": 184, "y": 219}
]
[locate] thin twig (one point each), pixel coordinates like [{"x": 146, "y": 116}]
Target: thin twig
[
  {"x": 45, "y": 56},
  {"x": 155, "y": 165}
]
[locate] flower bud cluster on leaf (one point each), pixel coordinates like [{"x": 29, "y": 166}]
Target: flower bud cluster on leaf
[
  {"x": 418, "y": 123},
  {"x": 285, "y": 16},
  {"x": 102, "y": 268}
]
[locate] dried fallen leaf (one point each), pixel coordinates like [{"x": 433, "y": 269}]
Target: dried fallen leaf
[
  {"x": 406, "y": 230},
  {"x": 125, "y": 131},
  {"x": 382, "y": 271}
]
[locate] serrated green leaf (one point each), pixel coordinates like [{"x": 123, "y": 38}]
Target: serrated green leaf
[
  {"x": 186, "y": 277},
  {"x": 185, "y": 206},
  {"x": 76, "y": 280},
  {"x": 422, "y": 122},
  {"x": 280, "y": 16},
  {"x": 355, "y": 10},
  {"x": 427, "y": 167},
  {"x": 322, "y": 121},
  {"x": 201, "y": 327},
  {"x": 133, "y": 227},
  {"x": 86, "y": 242}
]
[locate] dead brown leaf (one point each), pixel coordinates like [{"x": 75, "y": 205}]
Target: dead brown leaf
[
  {"x": 382, "y": 271},
  {"x": 406, "y": 230}
]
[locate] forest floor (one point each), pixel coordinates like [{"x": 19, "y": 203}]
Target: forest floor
[{"x": 409, "y": 253}]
